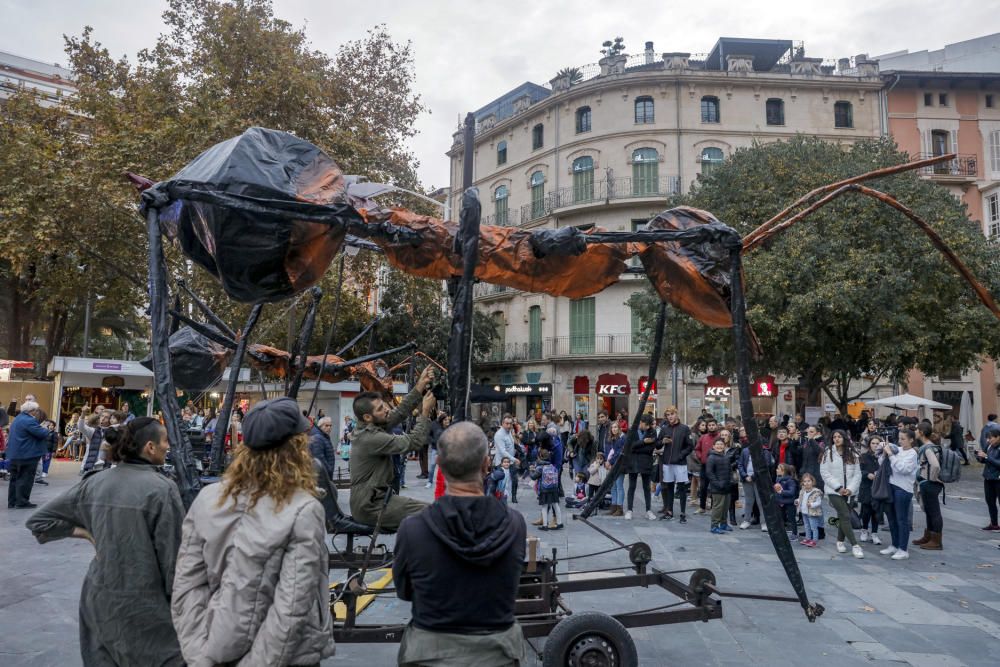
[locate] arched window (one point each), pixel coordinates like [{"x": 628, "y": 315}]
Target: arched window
[
  {"x": 710, "y": 109},
  {"x": 583, "y": 120},
  {"x": 645, "y": 172},
  {"x": 644, "y": 109},
  {"x": 583, "y": 179},
  {"x": 843, "y": 115},
  {"x": 711, "y": 158},
  {"x": 500, "y": 205},
  {"x": 537, "y": 137},
  {"x": 537, "y": 195},
  {"x": 774, "y": 110},
  {"x": 535, "y": 332},
  {"x": 502, "y": 152}
]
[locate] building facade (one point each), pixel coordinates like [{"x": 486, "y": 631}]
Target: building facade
[
  {"x": 606, "y": 147},
  {"x": 939, "y": 112}
]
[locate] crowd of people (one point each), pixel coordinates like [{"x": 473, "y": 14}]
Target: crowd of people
[{"x": 869, "y": 472}]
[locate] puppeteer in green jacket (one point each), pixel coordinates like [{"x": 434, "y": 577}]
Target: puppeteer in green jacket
[{"x": 372, "y": 447}]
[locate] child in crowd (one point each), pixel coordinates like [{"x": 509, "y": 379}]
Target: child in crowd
[
  {"x": 547, "y": 476},
  {"x": 719, "y": 480},
  {"x": 597, "y": 474},
  {"x": 810, "y": 505},
  {"x": 787, "y": 490},
  {"x": 580, "y": 491},
  {"x": 498, "y": 481}
]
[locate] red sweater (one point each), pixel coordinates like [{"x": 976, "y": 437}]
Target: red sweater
[{"x": 704, "y": 446}]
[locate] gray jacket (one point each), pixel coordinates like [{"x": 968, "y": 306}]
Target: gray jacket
[{"x": 251, "y": 587}]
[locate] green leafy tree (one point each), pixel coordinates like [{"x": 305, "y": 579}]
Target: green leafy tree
[
  {"x": 220, "y": 67},
  {"x": 853, "y": 295}
]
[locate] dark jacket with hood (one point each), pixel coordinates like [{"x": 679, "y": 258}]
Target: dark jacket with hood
[
  {"x": 719, "y": 473},
  {"x": 680, "y": 446},
  {"x": 459, "y": 562}
]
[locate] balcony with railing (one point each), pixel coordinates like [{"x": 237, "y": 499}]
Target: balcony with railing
[
  {"x": 600, "y": 345},
  {"x": 589, "y": 193},
  {"x": 486, "y": 290},
  {"x": 961, "y": 167}
]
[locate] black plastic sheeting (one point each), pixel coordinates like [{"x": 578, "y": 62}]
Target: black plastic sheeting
[
  {"x": 264, "y": 212},
  {"x": 197, "y": 363}
]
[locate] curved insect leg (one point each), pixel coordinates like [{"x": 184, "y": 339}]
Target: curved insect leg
[
  {"x": 301, "y": 351},
  {"x": 332, "y": 330},
  {"x": 163, "y": 381},
  {"x": 762, "y": 475},
  {"x": 222, "y": 425}
]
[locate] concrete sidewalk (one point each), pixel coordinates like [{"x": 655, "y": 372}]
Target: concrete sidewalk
[{"x": 938, "y": 609}]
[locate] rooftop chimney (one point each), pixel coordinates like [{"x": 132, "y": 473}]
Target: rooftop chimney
[{"x": 649, "y": 53}]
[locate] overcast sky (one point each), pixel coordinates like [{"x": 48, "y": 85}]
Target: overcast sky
[{"x": 469, "y": 52}]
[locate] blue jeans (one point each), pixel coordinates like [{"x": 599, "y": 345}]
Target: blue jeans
[
  {"x": 812, "y": 524},
  {"x": 618, "y": 491},
  {"x": 898, "y": 512}
]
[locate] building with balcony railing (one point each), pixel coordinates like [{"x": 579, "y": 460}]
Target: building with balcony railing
[
  {"x": 933, "y": 107},
  {"x": 607, "y": 146}
]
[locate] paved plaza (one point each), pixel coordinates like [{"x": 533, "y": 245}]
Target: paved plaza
[{"x": 938, "y": 609}]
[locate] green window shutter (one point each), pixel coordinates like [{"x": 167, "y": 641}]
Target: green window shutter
[
  {"x": 535, "y": 332},
  {"x": 537, "y": 195},
  {"x": 583, "y": 179},
  {"x": 638, "y": 344},
  {"x": 499, "y": 350},
  {"x": 645, "y": 172},
  {"x": 581, "y": 326}
]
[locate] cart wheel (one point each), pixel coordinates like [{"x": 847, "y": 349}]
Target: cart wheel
[
  {"x": 640, "y": 553},
  {"x": 699, "y": 578},
  {"x": 589, "y": 639}
]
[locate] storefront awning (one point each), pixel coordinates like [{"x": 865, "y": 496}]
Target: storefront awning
[
  {"x": 11, "y": 363},
  {"x": 613, "y": 384},
  {"x": 481, "y": 393},
  {"x": 581, "y": 384}
]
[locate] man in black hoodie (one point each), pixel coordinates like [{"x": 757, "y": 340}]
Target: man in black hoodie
[{"x": 459, "y": 561}]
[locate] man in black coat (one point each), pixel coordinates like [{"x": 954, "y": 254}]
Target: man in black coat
[
  {"x": 677, "y": 443},
  {"x": 321, "y": 447},
  {"x": 459, "y": 562}
]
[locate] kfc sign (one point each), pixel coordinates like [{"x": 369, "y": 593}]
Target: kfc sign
[
  {"x": 613, "y": 389},
  {"x": 613, "y": 384},
  {"x": 764, "y": 387},
  {"x": 718, "y": 392},
  {"x": 642, "y": 386}
]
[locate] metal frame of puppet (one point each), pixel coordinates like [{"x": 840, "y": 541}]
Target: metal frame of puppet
[{"x": 296, "y": 210}]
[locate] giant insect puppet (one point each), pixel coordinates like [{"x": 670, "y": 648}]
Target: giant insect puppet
[{"x": 266, "y": 213}]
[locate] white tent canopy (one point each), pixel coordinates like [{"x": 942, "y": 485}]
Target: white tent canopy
[{"x": 909, "y": 402}]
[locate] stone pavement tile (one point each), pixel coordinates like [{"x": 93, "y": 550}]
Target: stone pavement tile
[
  {"x": 992, "y": 604},
  {"x": 967, "y": 642},
  {"x": 892, "y": 600},
  {"x": 845, "y": 629},
  {"x": 984, "y": 624},
  {"x": 871, "y": 619},
  {"x": 874, "y": 651},
  {"x": 931, "y": 660}
]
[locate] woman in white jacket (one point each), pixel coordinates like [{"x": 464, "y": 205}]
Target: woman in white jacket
[
  {"x": 251, "y": 587},
  {"x": 904, "y": 462},
  {"x": 841, "y": 480}
]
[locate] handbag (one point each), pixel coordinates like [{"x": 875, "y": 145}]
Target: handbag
[
  {"x": 880, "y": 485},
  {"x": 851, "y": 500}
]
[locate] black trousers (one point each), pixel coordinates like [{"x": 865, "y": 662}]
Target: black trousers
[
  {"x": 681, "y": 492},
  {"x": 22, "y": 479},
  {"x": 992, "y": 489},
  {"x": 646, "y": 478},
  {"x": 930, "y": 499},
  {"x": 703, "y": 488},
  {"x": 871, "y": 514}
]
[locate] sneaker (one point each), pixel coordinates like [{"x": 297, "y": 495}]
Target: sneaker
[
  {"x": 876, "y": 539},
  {"x": 628, "y": 515},
  {"x": 543, "y": 528},
  {"x": 537, "y": 522},
  {"x": 900, "y": 555},
  {"x": 650, "y": 516},
  {"x": 428, "y": 485},
  {"x": 666, "y": 517},
  {"x": 699, "y": 511},
  {"x": 726, "y": 528},
  {"x": 888, "y": 551},
  {"x": 864, "y": 536},
  {"x": 683, "y": 518},
  {"x": 992, "y": 526},
  {"x": 763, "y": 528},
  {"x": 841, "y": 548},
  {"x": 559, "y": 526},
  {"x": 744, "y": 525},
  {"x": 717, "y": 531},
  {"x": 42, "y": 482},
  {"x": 856, "y": 550}
]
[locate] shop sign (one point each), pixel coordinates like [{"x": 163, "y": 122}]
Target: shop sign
[
  {"x": 717, "y": 388},
  {"x": 524, "y": 389},
  {"x": 613, "y": 384},
  {"x": 113, "y": 381},
  {"x": 764, "y": 387},
  {"x": 642, "y": 386},
  {"x": 105, "y": 366},
  {"x": 581, "y": 384}
]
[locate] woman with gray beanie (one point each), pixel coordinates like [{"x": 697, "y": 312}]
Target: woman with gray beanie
[{"x": 252, "y": 578}]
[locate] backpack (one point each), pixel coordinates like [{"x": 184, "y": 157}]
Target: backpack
[
  {"x": 951, "y": 465},
  {"x": 550, "y": 478}
]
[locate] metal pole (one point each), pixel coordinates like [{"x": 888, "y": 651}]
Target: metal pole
[
  {"x": 222, "y": 424},
  {"x": 298, "y": 362},
  {"x": 86, "y": 326},
  {"x": 163, "y": 382},
  {"x": 330, "y": 331}
]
